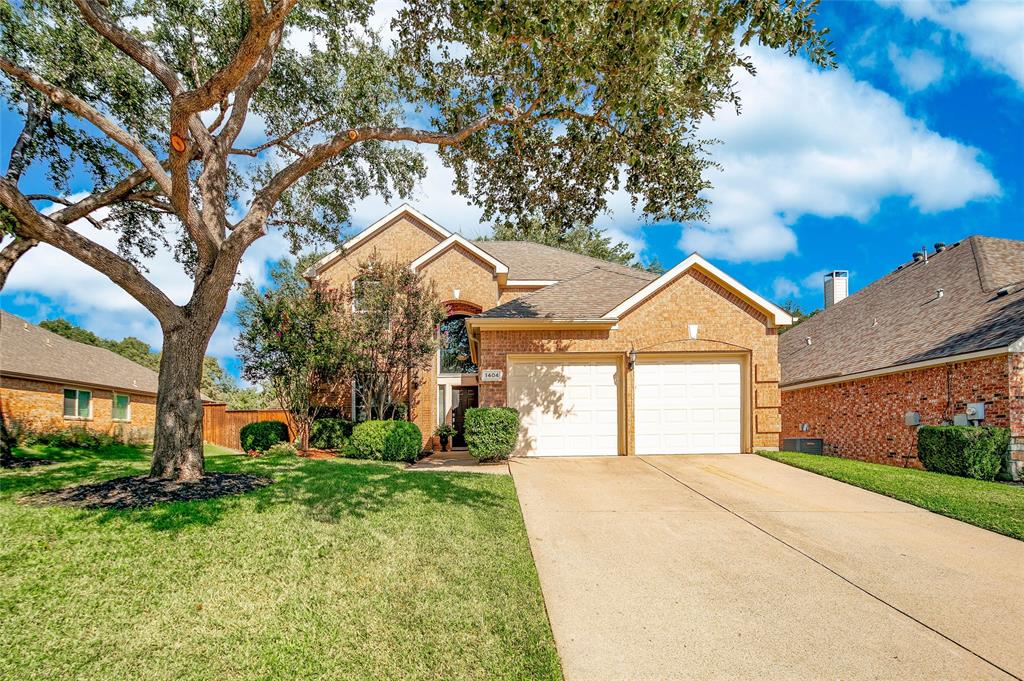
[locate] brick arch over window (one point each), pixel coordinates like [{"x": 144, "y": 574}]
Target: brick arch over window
[{"x": 458, "y": 307}]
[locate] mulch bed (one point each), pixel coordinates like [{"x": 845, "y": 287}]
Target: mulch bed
[
  {"x": 25, "y": 462},
  {"x": 317, "y": 454},
  {"x": 142, "y": 491}
]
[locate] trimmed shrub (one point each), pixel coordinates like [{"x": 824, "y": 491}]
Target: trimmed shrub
[
  {"x": 330, "y": 433},
  {"x": 385, "y": 441},
  {"x": 967, "y": 451},
  {"x": 491, "y": 432},
  {"x": 69, "y": 438},
  {"x": 261, "y": 435},
  {"x": 282, "y": 449}
]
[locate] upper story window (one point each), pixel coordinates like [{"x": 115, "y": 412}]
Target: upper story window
[
  {"x": 454, "y": 341},
  {"x": 361, "y": 288}
]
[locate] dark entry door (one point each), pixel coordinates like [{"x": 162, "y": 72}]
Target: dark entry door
[{"x": 463, "y": 398}]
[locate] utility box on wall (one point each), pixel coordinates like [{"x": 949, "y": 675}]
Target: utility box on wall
[{"x": 804, "y": 445}]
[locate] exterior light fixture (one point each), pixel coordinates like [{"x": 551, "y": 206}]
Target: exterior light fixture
[
  {"x": 632, "y": 358},
  {"x": 692, "y": 328}
]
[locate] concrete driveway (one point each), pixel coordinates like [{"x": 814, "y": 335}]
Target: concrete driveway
[{"x": 725, "y": 567}]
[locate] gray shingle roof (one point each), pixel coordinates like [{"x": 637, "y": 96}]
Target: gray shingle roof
[
  {"x": 900, "y": 319},
  {"x": 587, "y": 295},
  {"x": 529, "y": 260},
  {"x": 28, "y": 350}
]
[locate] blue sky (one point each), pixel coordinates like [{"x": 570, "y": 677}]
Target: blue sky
[{"x": 917, "y": 138}]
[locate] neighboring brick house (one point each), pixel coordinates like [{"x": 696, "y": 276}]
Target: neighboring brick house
[
  {"x": 48, "y": 382},
  {"x": 937, "y": 335},
  {"x": 599, "y": 358}
]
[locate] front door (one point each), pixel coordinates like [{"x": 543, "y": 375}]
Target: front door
[{"x": 463, "y": 398}]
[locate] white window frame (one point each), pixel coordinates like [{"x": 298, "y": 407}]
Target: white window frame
[
  {"x": 77, "y": 390},
  {"x": 355, "y": 299},
  {"x": 113, "y": 403}
]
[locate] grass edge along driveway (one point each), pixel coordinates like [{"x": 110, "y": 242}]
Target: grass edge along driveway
[
  {"x": 993, "y": 506},
  {"x": 339, "y": 570}
]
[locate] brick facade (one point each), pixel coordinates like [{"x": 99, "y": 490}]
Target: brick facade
[
  {"x": 864, "y": 419},
  {"x": 727, "y": 326},
  {"x": 39, "y": 405}
]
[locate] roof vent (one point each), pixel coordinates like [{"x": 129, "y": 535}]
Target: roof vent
[
  {"x": 940, "y": 247},
  {"x": 1004, "y": 291},
  {"x": 808, "y": 339},
  {"x": 918, "y": 256},
  {"x": 939, "y": 293}
]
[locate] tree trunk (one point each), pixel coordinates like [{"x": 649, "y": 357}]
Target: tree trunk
[{"x": 178, "y": 440}]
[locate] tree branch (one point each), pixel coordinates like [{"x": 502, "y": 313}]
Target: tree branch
[
  {"x": 35, "y": 225},
  {"x": 99, "y": 19},
  {"x": 252, "y": 226},
  {"x": 64, "y": 202},
  {"x": 10, "y": 255},
  {"x": 78, "y": 106},
  {"x": 226, "y": 79}
]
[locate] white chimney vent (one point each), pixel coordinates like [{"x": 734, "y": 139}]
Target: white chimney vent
[{"x": 837, "y": 286}]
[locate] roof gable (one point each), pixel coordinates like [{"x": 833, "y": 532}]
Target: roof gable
[
  {"x": 405, "y": 210},
  {"x": 458, "y": 241},
  {"x": 779, "y": 316}
]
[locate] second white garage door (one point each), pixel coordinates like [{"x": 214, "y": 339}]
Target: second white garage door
[
  {"x": 688, "y": 407},
  {"x": 566, "y": 409}
]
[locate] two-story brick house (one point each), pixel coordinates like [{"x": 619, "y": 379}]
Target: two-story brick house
[{"x": 599, "y": 358}]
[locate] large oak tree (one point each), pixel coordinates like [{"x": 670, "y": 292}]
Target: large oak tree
[{"x": 202, "y": 125}]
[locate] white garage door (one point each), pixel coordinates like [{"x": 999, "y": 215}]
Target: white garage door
[
  {"x": 567, "y": 409},
  {"x": 688, "y": 407}
]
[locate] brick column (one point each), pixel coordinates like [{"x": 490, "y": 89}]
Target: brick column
[{"x": 1016, "y": 392}]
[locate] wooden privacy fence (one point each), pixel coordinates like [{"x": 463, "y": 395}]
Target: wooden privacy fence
[{"x": 221, "y": 425}]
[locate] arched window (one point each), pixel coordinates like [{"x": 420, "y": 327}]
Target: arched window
[{"x": 454, "y": 342}]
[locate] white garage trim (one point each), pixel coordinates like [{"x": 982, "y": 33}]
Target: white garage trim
[
  {"x": 560, "y": 424},
  {"x": 691, "y": 404}
]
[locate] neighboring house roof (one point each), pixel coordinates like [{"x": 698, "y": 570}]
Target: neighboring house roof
[
  {"x": 29, "y": 351},
  {"x": 588, "y": 295},
  {"x": 901, "y": 319}
]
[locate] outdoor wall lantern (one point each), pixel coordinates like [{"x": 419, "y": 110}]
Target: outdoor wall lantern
[{"x": 632, "y": 358}]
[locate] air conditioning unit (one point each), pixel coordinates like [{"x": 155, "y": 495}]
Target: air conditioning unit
[{"x": 804, "y": 445}]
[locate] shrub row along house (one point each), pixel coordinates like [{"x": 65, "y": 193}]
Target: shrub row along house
[
  {"x": 938, "y": 341},
  {"x": 598, "y": 358},
  {"x": 49, "y": 383}
]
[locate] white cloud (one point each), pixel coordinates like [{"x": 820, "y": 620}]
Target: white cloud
[
  {"x": 784, "y": 288},
  {"x": 433, "y": 197},
  {"x": 991, "y": 30},
  {"x": 812, "y": 142},
  {"x": 815, "y": 280},
  {"x": 916, "y": 69}
]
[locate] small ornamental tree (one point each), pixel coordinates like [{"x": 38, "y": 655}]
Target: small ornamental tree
[
  {"x": 291, "y": 341},
  {"x": 200, "y": 126},
  {"x": 390, "y": 332}
]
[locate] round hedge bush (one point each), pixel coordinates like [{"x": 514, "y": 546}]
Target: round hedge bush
[
  {"x": 385, "y": 441},
  {"x": 330, "y": 433},
  {"x": 491, "y": 432},
  {"x": 262, "y": 435}
]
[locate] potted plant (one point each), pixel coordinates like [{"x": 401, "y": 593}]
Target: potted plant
[{"x": 446, "y": 433}]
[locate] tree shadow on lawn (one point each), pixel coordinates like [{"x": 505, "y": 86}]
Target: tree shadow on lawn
[{"x": 329, "y": 490}]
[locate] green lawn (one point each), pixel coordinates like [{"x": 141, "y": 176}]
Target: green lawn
[
  {"x": 993, "y": 505},
  {"x": 340, "y": 569}
]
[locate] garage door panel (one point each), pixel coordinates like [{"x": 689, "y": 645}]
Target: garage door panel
[
  {"x": 579, "y": 415},
  {"x": 688, "y": 407}
]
